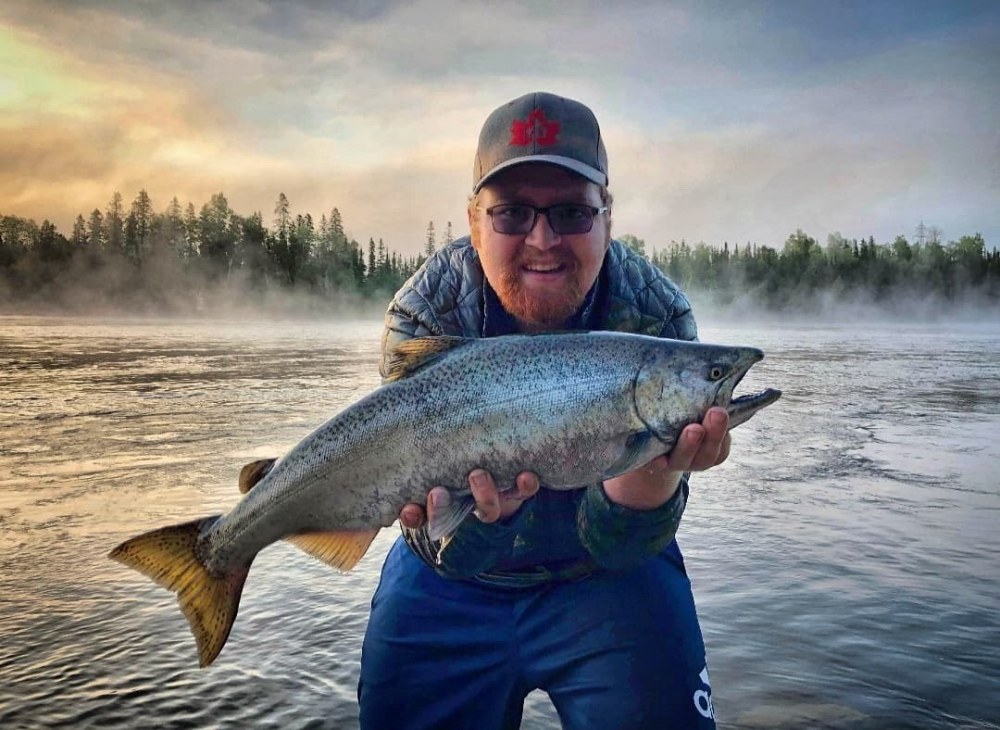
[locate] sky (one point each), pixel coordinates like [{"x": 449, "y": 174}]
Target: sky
[{"x": 726, "y": 121}]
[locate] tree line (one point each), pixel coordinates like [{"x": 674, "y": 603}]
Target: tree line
[
  {"x": 962, "y": 270},
  {"x": 135, "y": 256},
  {"x": 137, "y": 259}
]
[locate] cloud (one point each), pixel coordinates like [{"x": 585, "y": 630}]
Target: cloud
[{"x": 723, "y": 122}]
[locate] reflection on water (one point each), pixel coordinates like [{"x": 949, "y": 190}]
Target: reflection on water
[{"x": 844, "y": 559}]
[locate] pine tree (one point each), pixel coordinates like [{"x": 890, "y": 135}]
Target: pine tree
[
  {"x": 382, "y": 265},
  {"x": 96, "y": 230},
  {"x": 141, "y": 217},
  {"x": 114, "y": 222},
  {"x": 280, "y": 241},
  {"x": 173, "y": 229},
  {"x": 192, "y": 233},
  {"x": 218, "y": 235},
  {"x": 79, "y": 233},
  {"x": 337, "y": 227},
  {"x": 282, "y": 218},
  {"x": 429, "y": 248}
]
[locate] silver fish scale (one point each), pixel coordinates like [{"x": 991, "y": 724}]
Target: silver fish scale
[{"x": 562, "y": 405}]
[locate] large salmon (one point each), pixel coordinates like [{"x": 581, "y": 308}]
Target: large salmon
[{"x": 574, "y": 408}]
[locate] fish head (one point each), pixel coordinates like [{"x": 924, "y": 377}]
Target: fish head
[{"x": 679, "y": 381}]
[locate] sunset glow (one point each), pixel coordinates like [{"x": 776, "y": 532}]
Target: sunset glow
[{"x": 721, "y": 125}]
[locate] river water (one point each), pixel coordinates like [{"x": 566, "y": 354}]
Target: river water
[{"x": 845, "y": 560}]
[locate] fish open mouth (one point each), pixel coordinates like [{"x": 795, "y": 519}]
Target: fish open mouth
[{"x": 742, "y": 409}]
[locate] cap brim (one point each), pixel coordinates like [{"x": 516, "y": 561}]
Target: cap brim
[{"x": 580, "y": 168}]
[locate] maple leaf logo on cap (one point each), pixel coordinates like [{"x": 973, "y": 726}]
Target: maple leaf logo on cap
[{"x": 536, "y": 128}]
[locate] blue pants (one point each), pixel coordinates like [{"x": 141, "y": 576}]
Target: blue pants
[{"x": 614, "y": 650}]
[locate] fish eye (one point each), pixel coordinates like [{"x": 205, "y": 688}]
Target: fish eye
[{"x": 715, "y": 372}]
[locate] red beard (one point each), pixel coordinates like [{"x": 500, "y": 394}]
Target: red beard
[{"x": 538, "y": 310}]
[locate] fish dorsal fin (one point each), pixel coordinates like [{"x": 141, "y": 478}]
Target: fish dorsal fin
[
  {"x": 409, "y": 356},
  {"x": 342, "y": 549},
  {"x": 253, "y": 472}
]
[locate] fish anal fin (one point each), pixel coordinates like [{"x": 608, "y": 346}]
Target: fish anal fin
[
  {"x": 253, "y": 472},
  {"x": 410, "y": 355},
  {"x": 341, "y": 549},
  {"x": 209, "y": 601}
]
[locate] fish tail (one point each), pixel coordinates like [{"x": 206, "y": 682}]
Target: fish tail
[{"x": 209, "y": 601}]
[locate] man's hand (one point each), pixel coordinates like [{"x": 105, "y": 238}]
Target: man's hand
[
  {"x": 699, "y": 447},
  {"x": 491, "y": 504}
]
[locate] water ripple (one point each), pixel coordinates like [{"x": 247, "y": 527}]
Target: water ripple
[{"x": 843, "y": 558}]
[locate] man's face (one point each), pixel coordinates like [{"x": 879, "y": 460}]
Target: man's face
[{"x": 541, "y": 277}]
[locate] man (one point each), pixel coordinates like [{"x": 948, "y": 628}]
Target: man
[{"x": 580, "y": 593}]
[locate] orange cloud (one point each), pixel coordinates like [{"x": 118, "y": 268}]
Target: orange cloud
[{"x": 73, "y": 131}]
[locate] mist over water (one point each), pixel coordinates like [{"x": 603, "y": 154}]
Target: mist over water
[
  {"x": 836, "y": 307},
  {"x": 843, "y": 559}
]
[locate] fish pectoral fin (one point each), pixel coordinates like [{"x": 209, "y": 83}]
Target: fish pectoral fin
[
  {"x": 410, "y": 355},
  {"x": 342, "y": 549},
  {"x": 209, "y": 601},
  {"x": 447, "y": 519},
  {"x": 253, "y": 472},
  {"x": 633, "y": 455}
]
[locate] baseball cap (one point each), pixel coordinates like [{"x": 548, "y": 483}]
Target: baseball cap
[{"x": 541, "y": 127}]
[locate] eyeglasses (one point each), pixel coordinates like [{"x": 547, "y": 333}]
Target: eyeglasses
[{"x": 566, "y": 219}]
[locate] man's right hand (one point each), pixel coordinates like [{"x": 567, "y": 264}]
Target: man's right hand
[{"x": 491, "y": 504}]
